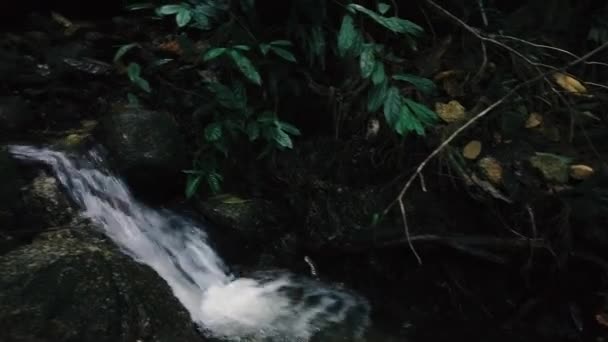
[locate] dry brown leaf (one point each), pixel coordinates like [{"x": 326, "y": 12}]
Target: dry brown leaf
[
  {"x": 448, "y": 74},
  {"x": 492, "y": 169},
  {"x": 581, "y": 171},
  {"x": 472, "y": 149},
  {"x": 569, "y": 83},
  {"x": 452, "y": 111},
  {"x": 534, "y": 120}
]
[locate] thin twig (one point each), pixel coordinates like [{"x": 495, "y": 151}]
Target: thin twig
[
  {"x": 407, "y": 231},
  {"x": 470, "y": 122}
]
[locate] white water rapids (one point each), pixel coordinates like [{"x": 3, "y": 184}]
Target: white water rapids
[{"x": 270, "y": 306}]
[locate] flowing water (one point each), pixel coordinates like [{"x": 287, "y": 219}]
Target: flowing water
[{"x": 269, "y": 306}]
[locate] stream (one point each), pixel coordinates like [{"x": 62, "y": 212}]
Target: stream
[{"x": 268, "y": 305}]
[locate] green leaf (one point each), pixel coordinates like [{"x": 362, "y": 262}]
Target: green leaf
[
  {"x": 423, "y": 113},
  {"x": 246, "y": 67},
  {"x": 170, "y": 9},
  {"x": 425, "y": 85},
  {"x": 282, "y": 139},
  {"x": 264, "y": 48},
  {"x": 347, "y": 35},
  {"x": 213, "y": 131},
  {"x": 281, "y": 43},
  {"x": 123, "y": 50},
  {"x": 376, "y": 96},
  {"x": 192, "y": 185},
  {"x": 214, "y": 180},
  {"x": 288, "y": 128},
  {"x": 133, "y": 71},
  {"x": 383, "y": 7},
  {"x": 143, "y": 84},
  {"x": 392, "y": 107},
  {"x": 183, "y": 17},
  {"x": 367, "y": 61},
  {"x": 213, "y": 53},
  {"x": 140, "y": 6},
  {"x": 394, "y": 24},
  {"x": 133, "y": 100},
  {"x": 223, "y": 95},
  {"x": 253, "y": 130},
  {"x": 242, "y": 47},
  {"x": 379, "y": 74},
  {"x": 283, "y": 53}
]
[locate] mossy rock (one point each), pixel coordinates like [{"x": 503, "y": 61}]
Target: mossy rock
[{"x": 73, "y": 285}]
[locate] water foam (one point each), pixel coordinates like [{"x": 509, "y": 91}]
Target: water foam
[{"x": 272, "y": 305}]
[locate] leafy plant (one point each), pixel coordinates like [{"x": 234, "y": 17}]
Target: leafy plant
[{"x": 244, "y": 64}]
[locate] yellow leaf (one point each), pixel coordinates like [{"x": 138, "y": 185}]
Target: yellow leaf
[
  {"x": 581, "y": 171},
  {"x": 492, "y": 169},
  {"x": 472, "y": 149},
  {"x": 534, "y": 120},
  {"x": 452, "y": 111},
  {"x": 569, "y": 83}
]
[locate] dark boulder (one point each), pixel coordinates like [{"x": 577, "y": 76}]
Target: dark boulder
[
  {"x": 15, "y": 115},
  {"x": 74, "y": 285},
  {"x": 10, "y": 199},
  {"x": 146, "y": 147}
]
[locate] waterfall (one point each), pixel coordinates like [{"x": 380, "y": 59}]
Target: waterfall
[{"x": 269, "y": 305}]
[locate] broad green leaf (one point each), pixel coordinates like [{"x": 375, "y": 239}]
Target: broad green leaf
[
  {"x": 123, "y": 50},
  {"x": 394, "y": 24},
  {"x": 253, "y": 130},
  {"x": 242, "y": 47},
  {"x": 133, "y": 71},
  {"x": 288, "y": 128},
  {"x": 281, "y": 43},
  {"x": 286, "y": 55},
  {"x": 392, "y": 107},
  {"x": 192, "y": 185},
  {"x": 183, "y": 17},
  {"x": 383, "y": 7},
  {"x": 246, "y": 67},
  {"x": 376, "y": 96},
  {"x": 213, "y": 53},
  {"x": 214, "y": 180},
  {"x": 347, "y": 35},
  {"x": 282, "y": 139},
  {"x": 407, "y": 122},
  {"x": 425, "y": 85},
  {"x": 367, "y": 61},
  {"x": 143, "y": 84},
  {"x": 379, "y": 74},
  {"x": 170, "y": 9},
  {"x": 264, "y": 48},
  {"x": 213, "y": 131},
  {"x": 423, "y": 113}
]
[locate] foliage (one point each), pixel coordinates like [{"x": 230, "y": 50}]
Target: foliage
[{"x": 243, "y": 64}]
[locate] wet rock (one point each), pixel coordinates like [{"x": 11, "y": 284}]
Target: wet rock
[
  {"x": 73, "y": 285},
  {"x": 248, "y": 217},
  {"x": 146, "y": 147},
  {"x": 10, "y": 199},
  {"x": 14, "y": 115},
  {"x": 47, "y": 205}
]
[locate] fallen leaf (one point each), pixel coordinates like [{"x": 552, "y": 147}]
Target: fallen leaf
[
  {"x": 472, "y": 149},
  {"x": 448, "y": 74},
  {"x": 569, "y": 83},
  {"x": 553, "y": 167},
  {"x": 492, "y": 169},
  {"x": 581, "y": 171},
  {"x": 534, "y": 120},
  {"x": 452, "y": 111}
]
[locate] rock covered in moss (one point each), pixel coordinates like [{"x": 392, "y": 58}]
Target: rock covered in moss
[{"x": 73, "y": 285}]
